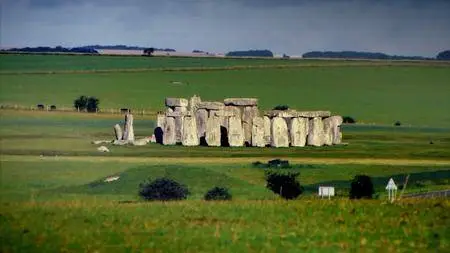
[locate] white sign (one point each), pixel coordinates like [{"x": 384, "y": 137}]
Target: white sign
[
  {"x": 326, "y": 191},
  {"x": 391, "y": 185}
]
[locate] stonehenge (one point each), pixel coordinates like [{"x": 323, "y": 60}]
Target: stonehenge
[{"x": 237, "y": 122}]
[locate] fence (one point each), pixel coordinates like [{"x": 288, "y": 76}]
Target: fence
[{"x": 53, "y": 108}]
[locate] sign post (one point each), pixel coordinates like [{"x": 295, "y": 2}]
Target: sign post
[
  {"x": 326, "y": 191},
  {"x": 391, "y": 187}
]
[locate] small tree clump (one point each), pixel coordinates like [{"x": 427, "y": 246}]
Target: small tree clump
[
  {"x": 284, "y": 183},
  {"x": 397, "y": 123},
  {"x": 84, "y": 103},
  {"x": 361, "y": 187},
  {"x": 281, "y": 107},
  {"x": 218, "y": 193},
  {"x": 348, "y": 120},
  {"x": 163, "y": 189}
]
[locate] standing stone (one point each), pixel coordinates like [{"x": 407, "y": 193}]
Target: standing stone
[
  {"x": 160, "y": 120},
  {"x": 299, "y": 132},
  {"x": 233, "y": 110},
  {"x": 279, "y": 133},
  {"x": 128, "y": 131},
  {"x": 235, "y": 132},
  {"x": 169, "y": 132},
  {"x": 178, "y": 129},
  {"x": 336, "y": 129},
  {"x": 213, "y": 131},
  {"x": 247, "y": 120},
  {"x": 258, "y": 132},
  {"x": 180, "y": 109},
  {"x": 315, "y": 135},
  {"x": 327, "y": 131},
  {"x": 201, "y": 116},
  {"x": 118, "y": 132},
  {"x": 190, "y": 137},
  {"x": 193, "y": 102},
  {"x": 267, "y": 131}
]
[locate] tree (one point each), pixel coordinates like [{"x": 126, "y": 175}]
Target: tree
[
  {"x": 218, "y": 193},
  {"x": 361, "y": 187},
  {"x": 84, "y": 103},
  {"x": 149, "y": 51},
  {"x": 163, "y": 189},
  {"x": 284, "y": 183},
  {"x": 444, "y": 56}
]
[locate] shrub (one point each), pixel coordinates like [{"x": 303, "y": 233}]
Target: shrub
[
  {"x": 397, "y": 123},
  {"x": 361, "y": 187},
  {"x": 278, "y": 163},
  {"x": 84, "y": 103},
  {"x": 218, "y": 193},
  {"x": 53, "y": 107},
  {"x": 348, "y": 120},
  {"x": 163, "y": 189},
  {"x": 284, "y": 183},
  {"x": 40, "y": 107},
  {"x": 281, "y": 107}
]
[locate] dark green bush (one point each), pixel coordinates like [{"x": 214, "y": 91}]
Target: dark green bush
[
  {"x": 283, "y": 183},
  {"x": 361, "y": 187},
  {"x": 348, "y": 120},
  {"x": 218, "y": 193},
  {"x": 163, "y": 189},
  {"x": 397, "y": 123},
  {"x": 84, "y": 103},
  {"x": 281, "y": 107}
]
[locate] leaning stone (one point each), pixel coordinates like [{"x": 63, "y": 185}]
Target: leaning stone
[
  {"x": 128, "y": 131},
  {"x": 279, "y": 133},
  {"x": 213, "y": 131},
  {"x": 267, "y": 131},
  {"x": 211, "y": 105},
  {"x": 177, "y": 102},
  {"x": 103, "y": 149},
  {"x": 258, "y": 132},
  {"x": 299, "y": 132},
  {"x": 118, "y": 132},
  {"x": 190, "y": 137},
  {"x": 314, "y": 114},
  {"x": 315, "y": 134},
  {"x": 169, "y": 132},
  {"x": 235, "y": 132},
  {"x": 241, "y": 101},
  {"x": 201, "y": 116},
  {"x": 193, "y": 103}
]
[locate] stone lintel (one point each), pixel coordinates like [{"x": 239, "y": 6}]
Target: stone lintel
[{"x": 241, "y": 101}]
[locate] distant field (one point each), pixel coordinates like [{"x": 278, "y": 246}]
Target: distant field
[{"x": 382, "y": 95}]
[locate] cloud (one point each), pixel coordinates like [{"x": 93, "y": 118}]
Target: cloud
[{"x": 285, "y": 26}]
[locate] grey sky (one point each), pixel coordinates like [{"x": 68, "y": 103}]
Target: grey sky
[{"x": 404, "y": 27}]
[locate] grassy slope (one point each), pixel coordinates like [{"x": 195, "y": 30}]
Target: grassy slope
[
  {"x": 36, "y": 214},
  {"x": 412, "y": 95}
]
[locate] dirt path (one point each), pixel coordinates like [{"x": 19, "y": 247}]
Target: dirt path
[{"x": 221, "y": 160}]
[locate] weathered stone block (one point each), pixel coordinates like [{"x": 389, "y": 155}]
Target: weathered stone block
[
  {"x": 118, "y": 132},
  {"x": 193, "y": 103},
  {"x": 281, "y": 113},
  {"x": 248, "y": 114},
  {"x": 336, "y": 129},
  {"x": 128, "y": 131},
  {"x": 241, "y": 101},
  {"x": 178, "y": 129},
  {"x": 279, "y": 133},
  {"x": 299, "y": 131},
  {"x": 177, "y": 102},
  {"x": 177, "y": 114},
  {"x": 169, "y": 132},
  {"x": 258, "y": 132},
  {"x": 190, "y": 137},
  {"x": 235, "y": 132},
  {"x": 233, "y": 110},
  {"x": 160, "y": 120},
  {"x": 213, "y": 131},
  {"x": 210, "y": 105},
  {"x": 180, "y": 109},
  {"x": 315, "y": 135},
  {"x": 201, "y": 115},
  {"x": 314, "y": 114}
]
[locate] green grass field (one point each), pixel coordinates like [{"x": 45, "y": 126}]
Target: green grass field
[{"x": 53, "y": 197}]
